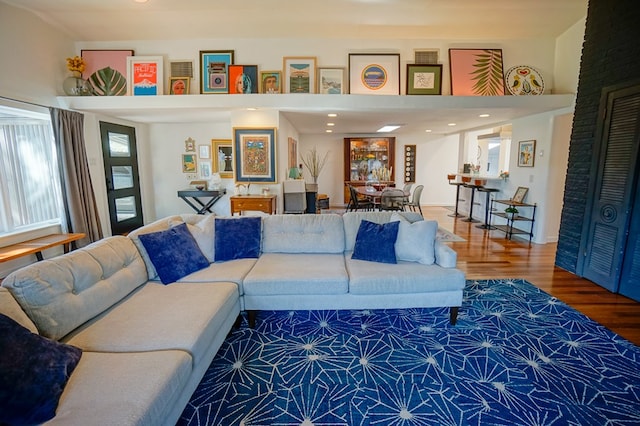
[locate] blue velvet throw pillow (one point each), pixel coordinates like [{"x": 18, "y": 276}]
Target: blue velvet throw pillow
[
  {"x": 174, "y": 253},
  {"x": 237, "y": 238},
  {"x": 33, "y": 373},
  {"x": 376, "y": 242}
]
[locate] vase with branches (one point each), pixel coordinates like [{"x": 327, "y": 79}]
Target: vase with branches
[{"x": 314, "y": 163}]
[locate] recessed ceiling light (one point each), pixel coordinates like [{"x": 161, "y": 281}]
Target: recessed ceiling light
[
  {"x": 252, "y": 109},
  {"x": 428, "y": 130},
  {"x": 451, "y": 124},
  {"x": 140, "y": 1},
  {"x": 484, "y": 115},
  {"x": 332, "y": 115},
  {"x": 328, "y": 131},
  {"x": 331, "y": 124},
  {"x": 388, "y": 128}
]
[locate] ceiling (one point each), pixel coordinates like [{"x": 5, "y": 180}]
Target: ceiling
[{"x": 126, "y": 20}]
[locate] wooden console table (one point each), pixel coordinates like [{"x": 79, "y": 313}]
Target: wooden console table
[
  {"x": 37, "y": 245},
  {"x": 200, "y": 206},
  {"x": 259, "y": 203}
]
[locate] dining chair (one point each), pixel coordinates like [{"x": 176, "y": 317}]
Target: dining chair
[
  {"x": 357, "y": 203},
  {"x": 415, "y": 199},
  {"x": 392, "y": 199}
]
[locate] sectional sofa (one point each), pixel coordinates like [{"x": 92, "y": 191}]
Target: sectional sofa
[{"x": 135, "y": 321}]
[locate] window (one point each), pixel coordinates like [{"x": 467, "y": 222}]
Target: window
[{"x": 30, "y": 195}]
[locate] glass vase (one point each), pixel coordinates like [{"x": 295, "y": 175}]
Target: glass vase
[{"x": 74, "y": 85}]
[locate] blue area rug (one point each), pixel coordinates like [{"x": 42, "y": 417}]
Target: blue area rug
[{"x": 517, "y": 357}]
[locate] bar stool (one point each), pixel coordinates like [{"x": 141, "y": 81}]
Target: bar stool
[
  {"x": 476, "y": 184},
  {"x": 488, "y": 191},
  {"x": 458, "y": 185}
]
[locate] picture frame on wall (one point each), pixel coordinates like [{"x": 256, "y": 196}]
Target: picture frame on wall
[
  {"x": 526, "y": 153},
  {"x": 214, "y": 71},
  {"x": 292, "y": 154},
  {"x": 299, "y": 74},
  {"x": 254, "y": 153},
  {"x": 204, "y": 152},
  {"x": 144, "y": 75},
  {"x": 189, "y": 163},
  {"x": 205, "y": 169},
  {"x": 179, "y": 85},
  {"x": 106, "y": 71},
  {"x": 374, "y": 74},
  {"x": 331, "y": 81},
  {"x": 270, "y": 82},
  {"x": 243, "y": 79},
  {"x": 424, "y": 79},
  {"x": 520, "y": 193},
  {"x": 223, "y": 160},
  {"x": 476, "y": 72}
]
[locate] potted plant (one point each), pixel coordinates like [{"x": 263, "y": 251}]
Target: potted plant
[{"x": 511, "y": 212}]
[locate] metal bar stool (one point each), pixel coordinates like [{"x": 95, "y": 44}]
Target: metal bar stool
[
  {"x": 476, "y": 184},
  {"x": 452, "y": 181},
  {"x": 488, "y": 191}
]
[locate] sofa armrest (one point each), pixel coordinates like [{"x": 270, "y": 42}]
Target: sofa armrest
[{"x": 445, "y": 255}]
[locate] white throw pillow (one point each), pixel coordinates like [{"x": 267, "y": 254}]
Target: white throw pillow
[{"x": 415, "y": 242}]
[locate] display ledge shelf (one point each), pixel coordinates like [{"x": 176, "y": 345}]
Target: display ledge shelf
[{"x": 201, "y": 108}]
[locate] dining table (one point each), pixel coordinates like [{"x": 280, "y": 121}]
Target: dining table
[{"x": 375, "y": 194}]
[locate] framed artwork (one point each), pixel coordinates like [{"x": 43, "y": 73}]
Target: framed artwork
[
  {"x": 179, "y": 85},
  {"x": 526, "y": 153},
  {"x": 204, "y": 152},
  {"x": 374, "y": 74},
  {"x": 106, "y": 71},
  {"x": 292, "y": 158},
  {"x": 331, "y": 81},
  {"x": 223, "y": 162},
  {"x": 214, "y": 70},
  {"x": 189, "y": 163},
  {"x": 476, "y": 72},
  {"x": 254, "y": 154},
  {"x": 424, "y": 79},
  {"x": 270, "y": 81},
  {"x": 190, "y": 145},
  {"x": 144, "y": 74},
  {"x": 205, "y": 169},
  {"x": 243, "y": 79},
  {"x": 521, "y": 192},
  {"x": 299, "y": 74}
]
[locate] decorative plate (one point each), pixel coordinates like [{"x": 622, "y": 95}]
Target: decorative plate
[{"x": 524, "y": 80}]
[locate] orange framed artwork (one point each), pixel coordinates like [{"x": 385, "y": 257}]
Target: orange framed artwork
[{"x": 144, "y": 74}]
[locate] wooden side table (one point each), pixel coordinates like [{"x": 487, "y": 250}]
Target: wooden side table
[{"x": 259, "y": 203}]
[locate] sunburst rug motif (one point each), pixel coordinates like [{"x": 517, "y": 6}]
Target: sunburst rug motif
[{"x": 516, "y": 357}]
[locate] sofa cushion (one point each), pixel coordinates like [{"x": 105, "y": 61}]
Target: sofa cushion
[
  {"x": 232, "y": 271},
  {"x": 307, "y": 233},
  {"x": 202, "y": 229},
  {"x": 160, "y": 317},
  {"x": 416, "y": 240},
  {"x": 157, "y": 226},
  {"x": 124, "y": 388},
  {"x": 62, "y": 293},
  {"x": 174, "y": 253},
  {"x": 10, "y": 308},
  {"x": 351, "y": 221},
  {"x": 297, "y": 273},
  {"x": 403, "y": 277},
  {"x": 376, "y": 242},
  {"x": 33, "y": 373},
  {"x": 237, "y": 238}
]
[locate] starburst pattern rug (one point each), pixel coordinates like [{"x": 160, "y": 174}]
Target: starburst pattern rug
[{"x": 517, "y": 357}]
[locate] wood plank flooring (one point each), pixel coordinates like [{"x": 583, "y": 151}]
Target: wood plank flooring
[{"x": 488, "y": 254}]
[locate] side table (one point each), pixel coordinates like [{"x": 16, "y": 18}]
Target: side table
[
  {"x": 197, "y": 196},
  {"x": 260, "y": 203}
]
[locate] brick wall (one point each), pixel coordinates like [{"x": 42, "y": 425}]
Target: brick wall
[{"x": 610, "y": 56}]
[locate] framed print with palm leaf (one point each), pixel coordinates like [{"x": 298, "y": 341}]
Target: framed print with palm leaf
[
  {"x": 106, "y": 71},
  {"x": 476, "y": 72}
]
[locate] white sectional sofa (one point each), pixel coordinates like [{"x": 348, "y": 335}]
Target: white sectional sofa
[{"x": 146, "y": 345}]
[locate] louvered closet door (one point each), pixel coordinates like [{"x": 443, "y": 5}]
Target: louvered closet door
[{"x": 614, "y": 187}]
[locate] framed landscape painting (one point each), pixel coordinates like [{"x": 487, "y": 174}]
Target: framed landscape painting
[
  {"x": 254, "y": 153},
  {"x": 374, "y": 74},
  {"x": 331, "y": 81},
  {"x": 476, "y": 72}
]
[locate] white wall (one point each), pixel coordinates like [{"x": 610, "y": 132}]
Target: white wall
[{"x": 567, "y": 58}]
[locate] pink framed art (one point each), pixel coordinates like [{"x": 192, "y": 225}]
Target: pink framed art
[
  {"x": 106, "y": 82},
  {"x": 476, "y": 72}
]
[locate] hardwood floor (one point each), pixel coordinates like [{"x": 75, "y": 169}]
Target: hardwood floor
[{"x": 488, "y": 254}]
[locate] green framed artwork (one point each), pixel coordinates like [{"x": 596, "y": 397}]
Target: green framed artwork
[{"x": 424, "y": 79}]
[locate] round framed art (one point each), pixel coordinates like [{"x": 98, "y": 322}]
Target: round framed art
[{"x": 524, "y": 80}]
